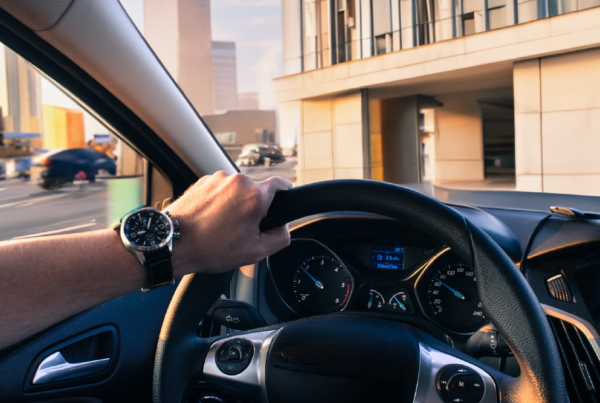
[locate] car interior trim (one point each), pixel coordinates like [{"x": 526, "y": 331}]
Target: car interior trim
[{"x": 581, "y": 324}]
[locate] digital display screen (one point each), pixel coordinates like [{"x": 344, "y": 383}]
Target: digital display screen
[{"x": 387, "y": 257}]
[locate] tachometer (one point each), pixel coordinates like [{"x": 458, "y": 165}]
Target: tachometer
[
  {"x": 310, "y": 278},
  {"x": 321, "y": 284}
]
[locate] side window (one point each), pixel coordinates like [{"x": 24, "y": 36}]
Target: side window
[{"x": 61, "y": 171}]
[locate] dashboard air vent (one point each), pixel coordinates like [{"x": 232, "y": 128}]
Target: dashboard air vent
[
  {"x": 559, "y": 289},
  {"x": 580, "y": 363}
]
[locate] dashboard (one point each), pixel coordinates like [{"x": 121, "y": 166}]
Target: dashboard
[{"x": 409, "y": 278}]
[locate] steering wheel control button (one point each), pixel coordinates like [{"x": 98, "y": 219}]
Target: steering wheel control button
[
  {"x": 457, "y": 383},
  {"x": 475, "y": 386},
  {"x": 234, "y": 356}
]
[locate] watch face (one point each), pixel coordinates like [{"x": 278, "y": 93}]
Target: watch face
[{"x": 147, "y": 229}]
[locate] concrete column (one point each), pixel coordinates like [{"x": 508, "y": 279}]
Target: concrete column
[
  {"x": 331, "y": 142},
  {"x": 571, "y": 123},
  {"x": 459, "y": 138},
  {"x": 528, "y": 129}
]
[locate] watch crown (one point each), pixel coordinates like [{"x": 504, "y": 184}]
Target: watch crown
[
  {"x": 176, "y": 235},
  {"x": 175, "y": 224}
]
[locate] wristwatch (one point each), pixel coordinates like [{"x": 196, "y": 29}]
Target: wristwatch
[{"x": 148, "y": 234}]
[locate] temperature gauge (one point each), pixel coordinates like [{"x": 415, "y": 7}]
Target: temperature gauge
[
  {"x": 376, "y": 300},
  {"x": 399, "y": 301}
]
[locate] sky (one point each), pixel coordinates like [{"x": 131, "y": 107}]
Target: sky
[{"x": 255, "y": 27}]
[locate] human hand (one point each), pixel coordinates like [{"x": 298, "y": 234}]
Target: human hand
[{"x": 219, "y": 220}]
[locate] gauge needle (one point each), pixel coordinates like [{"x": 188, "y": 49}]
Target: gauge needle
[
  {"x": 400, "y": 304},
  {"x": 370, "y": 302},
  {"x": 317, "y": 282},
  {"x": 456, "y": 293}
]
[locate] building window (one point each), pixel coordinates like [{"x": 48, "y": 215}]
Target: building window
[
  {"x": 472, "y": 16},
  {"x": 468, "y": 23},
  {"x": 424, "y": 22},
  {"x": 316, "y": 50},
  {"x": 382, "y": 26},
  {"x": 496, "y": 14},
  {"x": 346, "y": 39},
  {"x": 557, "y": 7}
]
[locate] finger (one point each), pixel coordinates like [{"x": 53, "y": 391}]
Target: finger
[
  {"x": 274, "y": 240},
  {"x": 274, "y": 184}
]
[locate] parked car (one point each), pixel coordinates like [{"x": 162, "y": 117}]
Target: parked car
[
  {"x": 2, "y": 170},
  {"x": 64, "y": 166},
  {"x": 257, "y": 154}
]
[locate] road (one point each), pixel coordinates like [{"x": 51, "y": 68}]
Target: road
[
  {"x": 28, "y": 210},
  {"x": 286, "y": 169}
]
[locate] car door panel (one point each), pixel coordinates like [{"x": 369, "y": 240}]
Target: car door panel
[{"x": 136, "y": 319}]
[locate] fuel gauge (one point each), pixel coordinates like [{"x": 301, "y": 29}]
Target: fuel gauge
[{"x": 376, "y": 300}]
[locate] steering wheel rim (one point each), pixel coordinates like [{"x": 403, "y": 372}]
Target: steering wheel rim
[{"x": 506, "y": 296}]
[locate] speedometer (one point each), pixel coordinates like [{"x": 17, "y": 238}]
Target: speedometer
[
  {"x": 453, "y": 297},
  {"x": 448, "y": 294}
]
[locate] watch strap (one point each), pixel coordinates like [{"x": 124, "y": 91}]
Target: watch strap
[{"x": 160, "y": 270}]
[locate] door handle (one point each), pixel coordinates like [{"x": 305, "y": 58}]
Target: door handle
[{"x": 55, "y": 368}]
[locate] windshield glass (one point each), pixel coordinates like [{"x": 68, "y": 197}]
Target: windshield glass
[{"x": 479, "y": 102}]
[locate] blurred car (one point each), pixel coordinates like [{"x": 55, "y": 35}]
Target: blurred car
[
  {"x": 64, "y": 166},
  {"x": 257, "y": 154},
  {"x": 2, "y": 170},
  {"x": 23, "y": 166}
]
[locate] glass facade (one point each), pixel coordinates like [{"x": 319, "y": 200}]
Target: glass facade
[{"x": 338, "y": 31}]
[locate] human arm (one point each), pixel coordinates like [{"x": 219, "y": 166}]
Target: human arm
[{"x": 45, "y": 280}]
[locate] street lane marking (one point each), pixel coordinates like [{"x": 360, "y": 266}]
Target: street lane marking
[
  {"x": 58, "y": 231},
  {"x": 10, "y": 204}
]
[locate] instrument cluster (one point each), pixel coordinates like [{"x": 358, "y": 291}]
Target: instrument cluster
[{"x": 436, "y": 285}]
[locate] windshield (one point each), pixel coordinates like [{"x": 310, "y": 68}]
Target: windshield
[{"x": 464, "y": 100}]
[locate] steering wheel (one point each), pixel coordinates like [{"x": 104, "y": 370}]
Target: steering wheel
[{"x": 346, "y": 358}]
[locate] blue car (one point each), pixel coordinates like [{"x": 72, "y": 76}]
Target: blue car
[{"x": 64, "y": 166}]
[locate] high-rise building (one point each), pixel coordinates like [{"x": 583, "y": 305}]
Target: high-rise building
[
  {"x": 225, "y": 76},
  {"x": 23, "y": 95},
  {"x": 179, "y": 31},
  {"x": 464, "y": 91}
]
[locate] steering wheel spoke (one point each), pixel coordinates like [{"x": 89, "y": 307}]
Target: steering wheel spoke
[
  {"x": 237, "y": 364},
  {"x": 445, "y": 378}
]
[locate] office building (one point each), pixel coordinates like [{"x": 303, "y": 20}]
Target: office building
[
  {"x": 224, "y": 76},
  {"x": 20, "y": 102},
  {"x": 179, "y": 32},
  {"x": 444, "y": 91}
]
